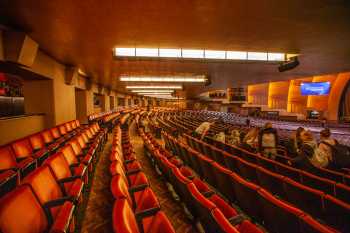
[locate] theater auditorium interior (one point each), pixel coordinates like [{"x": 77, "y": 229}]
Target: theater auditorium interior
[{"x": 164, "y": 116}]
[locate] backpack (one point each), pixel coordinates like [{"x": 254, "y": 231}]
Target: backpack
[
  {"x": 319, "y": 158},
  {"x": 340, "y": 154}
]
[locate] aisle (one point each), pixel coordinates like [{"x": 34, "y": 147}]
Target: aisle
[
  {"x": 171, "y": 208},
  {"x": 98, "y": 213}
]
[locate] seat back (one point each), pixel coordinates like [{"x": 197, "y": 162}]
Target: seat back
[
  {"x": 343, "y": 192},
  {"x": 223, "y": 181},
  {"x": 247, "y": 170},
  {"x": 337, "y": 213},
  {"x": 246, "y": 194},
  {"x": 288, "y": 171},
  {"x": 68, "y": 126},
  {"x": 119, "y": 189},
  {"x": 206, "y": 166},
  {"x": 44, "y": 184},
  {"x": 55, "y": 133},
  {"x": 278, "y": 216},
  {"x": 124, "y": 220},
  {"x": 308, "y": 199},
  {"x": 22, "y": 148},
  {"x": 81, "y": 141},
  {"x": 202, "y": 208},
  {"x": 270, "y": 181},
  {"x": 47, "y": 136},
  {"x": 74, "y": 124},
  {"x": 36, "y": 141},
  {"x": 160, "y": 224},
  {"x": 20, "y": 211},
  {"x": 59, "y": 166},
  {"x": 223, "y": 225},
  {"x": 69, "y": 154},
  {"x": 325, "y": 185},
  {"x": 310, "y": 225},
  {"x": 62, "y": 129},
  {"x": 7, "y": 158},
  {"x": 76, "y": 147}
]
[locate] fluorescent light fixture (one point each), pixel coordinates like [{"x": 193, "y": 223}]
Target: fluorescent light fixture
[
  {"x": 128, "y": 52},
  {"x": 201, "y": 54},
  {"x": 200, "y": 78},
  {"x": 178, "y": 87},
  {"x": 152, "y": 90},
  {"x": 215, "y": 54},
  {"x": 257, "y": 56},
  {"x": 236, "y": 55},
  {"x": 145, "y": 52},
  {"x": 170, "y": 53},
  {"x": 192, "y": 53},
  {"x": 276, "y": 56},
  {"x": 155, "y": 93}
]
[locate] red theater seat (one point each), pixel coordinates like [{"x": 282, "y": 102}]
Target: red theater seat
[
  {"x": 224, "y": 182},
  {"x": 20, "y": 211},
  {"x": 144, "y": 201},
  {"x": 124, "y": 220},
  {"x": 63, "y": 173},
  {"x": 9, "y": 166},
  {"x": 223, "y": 224},
  {"x": 23, "y": 149},
  {"x": 48, "y": 189},
  {"x": 135, "y": 180},
  {"x": 303, "y": 197},
  {"x": 270, "y": 181},
  {"x": 50, "y": 140}
]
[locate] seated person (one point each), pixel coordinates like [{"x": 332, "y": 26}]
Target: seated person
[
  {"x": 234, "y": 138},
  {"x": 250, "y": 141},
  {"x": 309, "y": 156},
  {"x": 203, "y": 129}
]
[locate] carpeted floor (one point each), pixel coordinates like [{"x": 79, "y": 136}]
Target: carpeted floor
[
  {"x": 171, "y": 208},
  {"x": 98, "y": 214}
]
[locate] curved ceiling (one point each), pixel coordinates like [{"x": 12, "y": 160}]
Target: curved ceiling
[{"x": 83, "y": 33}]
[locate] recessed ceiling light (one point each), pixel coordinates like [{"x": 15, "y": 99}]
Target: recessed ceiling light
[
  {"x": 178, "y": 87},
  {"x": 200, "y": 54},
  {"x": 152, "y": 90},
  {"x": 200, "y": 78}
]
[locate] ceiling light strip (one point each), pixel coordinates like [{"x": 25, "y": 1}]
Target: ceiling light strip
[
  {"x": 177, "y": 87},
  {"x": 199, "y": 54},
  {"x": 193, "y": 79}
]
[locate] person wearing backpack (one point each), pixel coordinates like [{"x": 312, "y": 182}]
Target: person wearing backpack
[
  {"x": 338, "y": 154},
  {"x": 268, "y": 141}
]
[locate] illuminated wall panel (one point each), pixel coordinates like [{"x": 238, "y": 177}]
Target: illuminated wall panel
[
  {"x": 296, "y": 102},
  {"x": 335, "y": 95},
  {"x": 258, "y": 94},
  {"x": 278, "y": 95},
  {"x": 320, "y": 103}
]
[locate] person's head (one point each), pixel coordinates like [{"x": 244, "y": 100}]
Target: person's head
[
  {"x": 299, "y": 131},
  {"x": 326, "y": 133},
  {"x": 268, "y": 125},
  {"x": 306, "y": 136}
]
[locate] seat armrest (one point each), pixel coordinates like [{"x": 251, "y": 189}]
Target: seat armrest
[
  {"x": 68, "y": 179},
  {"x": 208, "y": 193},
  {"x": 145, "y": 213},
  {"x": 63, "y": 219},
  {"x": 138, "y": 188},
  {"x": 131, "y": 172},
  {"x": 76, "y": 190},
  {"x": 235, "y": 220}
]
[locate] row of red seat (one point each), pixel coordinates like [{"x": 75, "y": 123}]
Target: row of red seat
[
  {"x": 276, "y": 215},
  {"x": 209, "y": 208},
  {"x": 191, "y": 123},
  {"x": 249, "y": 164},
  {"x": 136, "y": 208},
  {"x": 47, "y": 199}
]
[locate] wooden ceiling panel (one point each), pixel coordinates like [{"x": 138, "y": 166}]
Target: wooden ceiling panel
[{"x": 83, "y": 33}]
